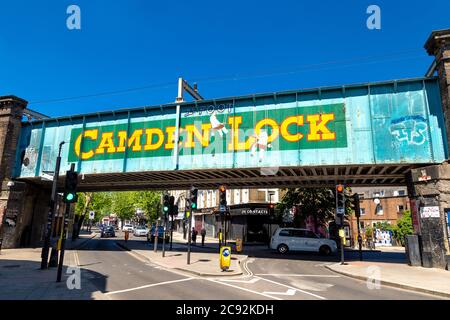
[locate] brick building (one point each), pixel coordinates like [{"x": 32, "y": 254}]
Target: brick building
[{"x": 383, "y": 204}]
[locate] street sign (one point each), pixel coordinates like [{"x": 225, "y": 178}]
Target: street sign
[{"x": 91, "y": 215}]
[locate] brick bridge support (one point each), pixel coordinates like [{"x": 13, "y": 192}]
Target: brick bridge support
[
  {"x": 429, "y": 187},
  {"x": 23, "y": 206}
]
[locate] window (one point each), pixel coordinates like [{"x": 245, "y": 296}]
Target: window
[
  {"x": 400, "y": 208},
  {"x": 310, "y": 234},
  {"x": 401, "y": 192},
  {"x": 361, "y": 224},
  {"x": 285, "y": 233},
  {"x": 379, "y": 210},
  {"x": 363, "y": 211},
  {"x": 298, "y": 233}
]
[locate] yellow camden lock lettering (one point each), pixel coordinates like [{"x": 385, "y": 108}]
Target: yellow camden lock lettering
[
  {"x": 315, "y": 127},
  {"x": 241, "y": 138},
  {"x": 91, "y": 134},
  {"x": 284, "y": 129}
]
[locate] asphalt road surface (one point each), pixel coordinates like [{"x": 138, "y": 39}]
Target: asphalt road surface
[{"x": 123, "y": 275}]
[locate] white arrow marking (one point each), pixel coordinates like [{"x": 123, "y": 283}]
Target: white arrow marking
[
  {"x": 241, "y": 281},
  {"x": 289, "y": 292}
]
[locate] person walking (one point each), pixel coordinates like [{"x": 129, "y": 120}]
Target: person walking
[
  {"x": 203, "y": 233},
  {"x": 194, "y": 235}
]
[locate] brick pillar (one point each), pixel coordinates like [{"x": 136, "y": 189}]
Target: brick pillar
[
  {"x": 438, "y": 45},
  {"x": 429, "y": 187},
  {"x": 11, "y": 111}
]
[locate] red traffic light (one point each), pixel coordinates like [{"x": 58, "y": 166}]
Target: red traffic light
[
  {"x": 222, "y": 188},
  {"x": 339, "y": 188}
]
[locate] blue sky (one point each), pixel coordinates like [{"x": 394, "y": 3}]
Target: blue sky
[{"x": 228, "y": 47}]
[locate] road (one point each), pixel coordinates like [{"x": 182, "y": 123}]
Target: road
[{"x": 123, "y": 275}]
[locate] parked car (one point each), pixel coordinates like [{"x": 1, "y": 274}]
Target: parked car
[
  {"x": 294, "y": 239},
  {"x": 140, "y": 231},
  {"x": 108, "y": 232},
  {"x": 151, "y": 234},
  {"x": 128, "y": 227}
]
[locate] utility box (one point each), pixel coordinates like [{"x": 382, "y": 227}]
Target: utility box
[
  {"x": 238, "y": 245},
  {"x": 412, "y": 246}
]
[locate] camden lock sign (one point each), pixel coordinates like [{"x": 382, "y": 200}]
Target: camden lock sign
[{"x": 312, "y": 127}]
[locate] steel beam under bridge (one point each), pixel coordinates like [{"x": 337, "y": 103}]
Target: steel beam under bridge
[{"x": 392, "y": 175}]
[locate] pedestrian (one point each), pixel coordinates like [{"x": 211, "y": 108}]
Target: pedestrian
[
  {"x": 203, "y": 233},
  {"x": 194, "y": 235}
]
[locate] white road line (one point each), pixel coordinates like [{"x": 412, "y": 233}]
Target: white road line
[
  {"x": 290, "y": 287},
  {"x": 77, "y": 260},
  {"x": 148, "y": 286},
  {"x": 244, "y": 289},
  {"x": 241, "y": 281},
  {"x": 288, "y": 292},
  {"x": 298, "y": 275}
]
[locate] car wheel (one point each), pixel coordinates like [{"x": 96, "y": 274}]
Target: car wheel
[
  {"x": 282, "y": 248},
  {"x": 325, "y": 250}
]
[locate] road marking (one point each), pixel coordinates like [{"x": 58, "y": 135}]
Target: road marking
[
  {"x": 289, "y": 292},
  {"x": 245, "y": 289},
  {"x": 289, "y": 287},
  {"x": 77, "y": 260},
  {"x": 148, "y": 286},
  {"x": 241, "y": 281},
  {"x": 298, "y": 275}
]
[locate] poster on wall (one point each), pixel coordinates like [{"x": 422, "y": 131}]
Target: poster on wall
[{"x": 430, "y": 212}]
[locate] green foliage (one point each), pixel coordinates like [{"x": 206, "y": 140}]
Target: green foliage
[
  {"x": 404, "y": 227},
  {"x": 149, "y": 202},
  {"x": 99, "y": 202},
  {"x": 369, "y": 232},
  {"x": 384, "y": 226},
  {"x": 123, "y": 204},
  {"x": 317, "y": 202}
]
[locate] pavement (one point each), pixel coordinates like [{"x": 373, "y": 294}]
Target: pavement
[
  {"x": 400, "y": 275},
  {"x": 204, "y": 260},
  {"x": 22, "y": 279}
]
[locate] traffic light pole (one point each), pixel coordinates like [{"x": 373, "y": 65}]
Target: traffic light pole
[
  {"x": 189, "y": 237},
  {"x": 64, "y": 235},
  {"x": 359, "y": 240},
  {"x": 171, "y": 233},
  {"x": 51, "y": 212},
  {"x": 164, "y": 237}
]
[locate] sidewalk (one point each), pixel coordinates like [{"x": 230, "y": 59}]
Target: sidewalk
[
  {"x": 22, "y": 279},
  {"x": 401, "y": 275},
  {"x": 204, "y": 260}
]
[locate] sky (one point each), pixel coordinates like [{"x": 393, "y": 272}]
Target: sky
[{"x": 131, "y": 53}]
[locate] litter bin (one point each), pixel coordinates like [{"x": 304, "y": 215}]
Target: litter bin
[{"x": 238, "y": 245}]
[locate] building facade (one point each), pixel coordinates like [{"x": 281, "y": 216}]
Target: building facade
[{"x": 249, "y": 215}]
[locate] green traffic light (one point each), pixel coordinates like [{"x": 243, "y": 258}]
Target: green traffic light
[
  {"x": 70, "y": 196},
  {"x": 194, "y": 205},
  {"x": 166, "y": 209}
]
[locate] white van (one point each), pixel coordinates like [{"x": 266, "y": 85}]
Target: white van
[{"x": 294, "y": 239}]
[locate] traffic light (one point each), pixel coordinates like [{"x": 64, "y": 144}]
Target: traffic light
[
  {"x": 166, "y": 203},
  {"x": 271, "y": 209},
  {"x": 356, "y": 205},
  {"x": 70, "y": 188},
  {"x": 222, "y": 198},
  {"x": 187, "y": 208},
  {"x": 171, "y": 205},
  {"x": 193, "y": 198},
  {"x": 340, "y": 200}
]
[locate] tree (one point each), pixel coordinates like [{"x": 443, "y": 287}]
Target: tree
[
  {"x": 149, "y": 202},
  {"x": 99, "y": 202},
  {"x": 404, "y": 227},
  {"x": 123, "y": 204}
]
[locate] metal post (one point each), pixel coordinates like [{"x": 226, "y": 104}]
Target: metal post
[
  {"x": 189, "y": 237},
  {"x": 342, "y": 247},
  {"x": 164, "y": 236},
  {"x": 171, "y": 233},
  {"x": 179, "y": 100},
  {"x": 64, "y": 235},
  {"x": 155, "y": 243},
  {"x": 51, "y": 212}
]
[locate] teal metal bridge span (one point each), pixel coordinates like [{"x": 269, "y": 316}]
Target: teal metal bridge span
[{"x": 355, "y": 134}]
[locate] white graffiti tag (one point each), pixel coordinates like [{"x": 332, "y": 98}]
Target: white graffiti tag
[{"x": 411, "y": 130}]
